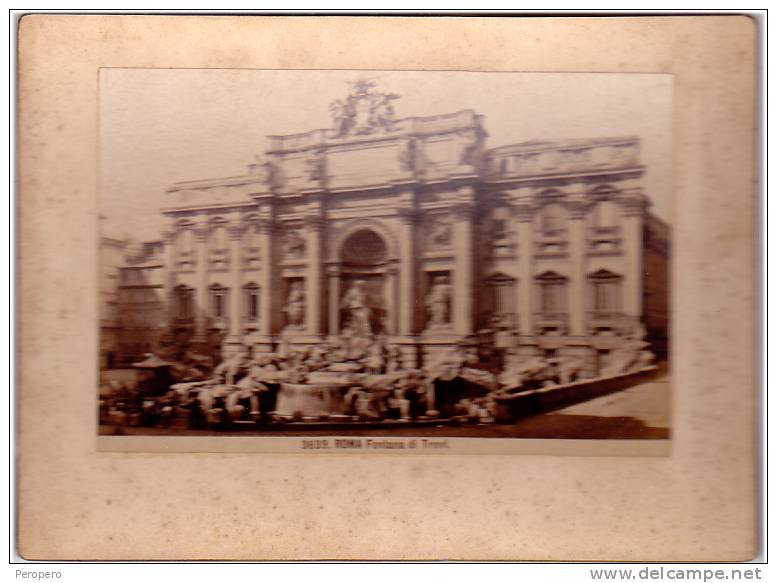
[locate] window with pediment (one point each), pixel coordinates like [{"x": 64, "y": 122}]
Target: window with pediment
[
  {"x": 605, "y": 292},
  {"x": 218, "y": 243},
  {"x": 604, "y": 222},
  {"x": 551, "y": 302},
  {"x": 499, "y": 226},
  {"x": 218, "y": 301},
  {"x": 550, "y": 224},
  {"x": 552, "y": 219},
  {"x": 251, "y": 244},
  {"x": 184, "y": 302},
  {"x": 501, "y": 296},
  {"x": 184, "y": 248},
  {"x": 604, "y": 215},
  {"x": 251, "y": 302}
]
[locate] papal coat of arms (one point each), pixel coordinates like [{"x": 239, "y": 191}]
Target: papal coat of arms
[{"x": 364, "y": 111}]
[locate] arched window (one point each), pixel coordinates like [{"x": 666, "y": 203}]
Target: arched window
[
  {"x": 500, "y": 225},
  {"x": 218, "y": 238},
  {"x": 184, "y": 244},
  {"x": 251, "y": 236},
  {"x": 604, "y": 215},
  {"x": 552, "y": 219},
  {"x": 251, "y": 243},
  {"x": 364, "y": 247}
]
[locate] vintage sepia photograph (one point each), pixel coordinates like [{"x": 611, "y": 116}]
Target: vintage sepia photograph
[
  {"x": 368, "y": 259},
  {"x": 386, "y": 288}
]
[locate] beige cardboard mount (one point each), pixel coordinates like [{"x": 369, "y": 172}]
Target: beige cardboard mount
[{"x": 697, "y": 503}]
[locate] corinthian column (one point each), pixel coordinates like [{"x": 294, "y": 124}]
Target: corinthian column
[
  {"x": 463, "y": 277},
  {"x": 201, "y": 308},
  {"x": 390, "y": 294},
  {"x": 333, "y": 272},
  {"x": 170, "y": 270},
  {"x": 407, "y": 262},
  {"x": 313, "y": 225},
  {"x": 525, "y": 286},
  {"x": 266, "y": 292},
  {"x": 235, "y": 292},
  {"x": 632, "y": 217},
  {"x": 578, "y": 284}
]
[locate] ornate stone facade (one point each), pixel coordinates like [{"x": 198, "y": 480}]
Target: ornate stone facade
[{"x": 414, "y": 229}]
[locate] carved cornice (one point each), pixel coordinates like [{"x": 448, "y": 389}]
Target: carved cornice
[
  {"x": 633, "y": 204},
  {"x": 409, "y": 216},
  {"x": 463, "y": 211},
  {"x": 524, "y": 212},
  {"x": 201, "y": 233},
  {"x": 313, "y": 222},
  {"x": 576, "y": 206},
  {"x": 265, "y": 226},
  {"x": 236, "y": 230},
  {"x": 466, "y": 194}
]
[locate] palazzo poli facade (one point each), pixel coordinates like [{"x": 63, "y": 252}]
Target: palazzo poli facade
[{"x": 414, "y": 231}]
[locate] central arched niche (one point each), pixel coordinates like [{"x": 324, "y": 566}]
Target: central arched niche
[
  {"x": 364, "y": 259},
  {"x": 363, "y": 248}
]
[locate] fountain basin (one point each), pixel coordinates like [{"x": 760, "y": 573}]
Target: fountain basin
[{"x": 311, "y": 400}]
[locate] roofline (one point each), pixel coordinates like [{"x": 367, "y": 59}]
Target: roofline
[
  {"x": 570, "y": 143},
  {"x": 211, "y": 182}
]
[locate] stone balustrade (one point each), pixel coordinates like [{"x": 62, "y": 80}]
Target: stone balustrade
[{"x": 569, "y": 157}]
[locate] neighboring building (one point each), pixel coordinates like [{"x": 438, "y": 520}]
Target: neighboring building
[
  {"x": 111, "y": 260},
  {"x": 413, "y": 229},
  {"x": 142, "y": 320}
]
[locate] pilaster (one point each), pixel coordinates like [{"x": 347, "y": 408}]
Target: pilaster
[
  {"x": 524, "y": 213},
  {"x": 632, "y": 215},
  {"x": 313, "y": 292},
  {"x": 333, "y": 274},
  {"x": 235, "y": 338},
  {"x": 265, "y": 229},
  {"x": 463, "y": 277},
  {"x": 407, "y": 271},
  {"x": 168, "y": 236},
  {"x": 201, "y": 234},
  {"x": 578, "y": 289}
]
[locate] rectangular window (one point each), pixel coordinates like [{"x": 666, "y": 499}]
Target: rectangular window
[
  {"x": 184, "y": 303},
  {"x": 606, "y": 296},
  {"x": 552, "y": 298},
  {"x": 218, "y": 304},
  {"x": 253, "y": 305}
]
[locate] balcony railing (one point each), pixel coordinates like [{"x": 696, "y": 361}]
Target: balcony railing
[
  {"x": 250, "y": 323},
  {"x": 183, "y": 321},
  {"x": 604, "y": 239},
  {"x": 551, "y": 322},
  {"x": 605, "y": 320},
  {"x": 551, "y": 245},
  {"x": 218, "y": 323},
  {"x": 545, "y": 158}
]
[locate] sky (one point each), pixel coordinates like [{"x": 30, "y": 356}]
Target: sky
[{"x": 161, "y": 126}]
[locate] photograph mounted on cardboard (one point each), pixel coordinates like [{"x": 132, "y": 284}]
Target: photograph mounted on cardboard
[{"x": 394, "y": 260}]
